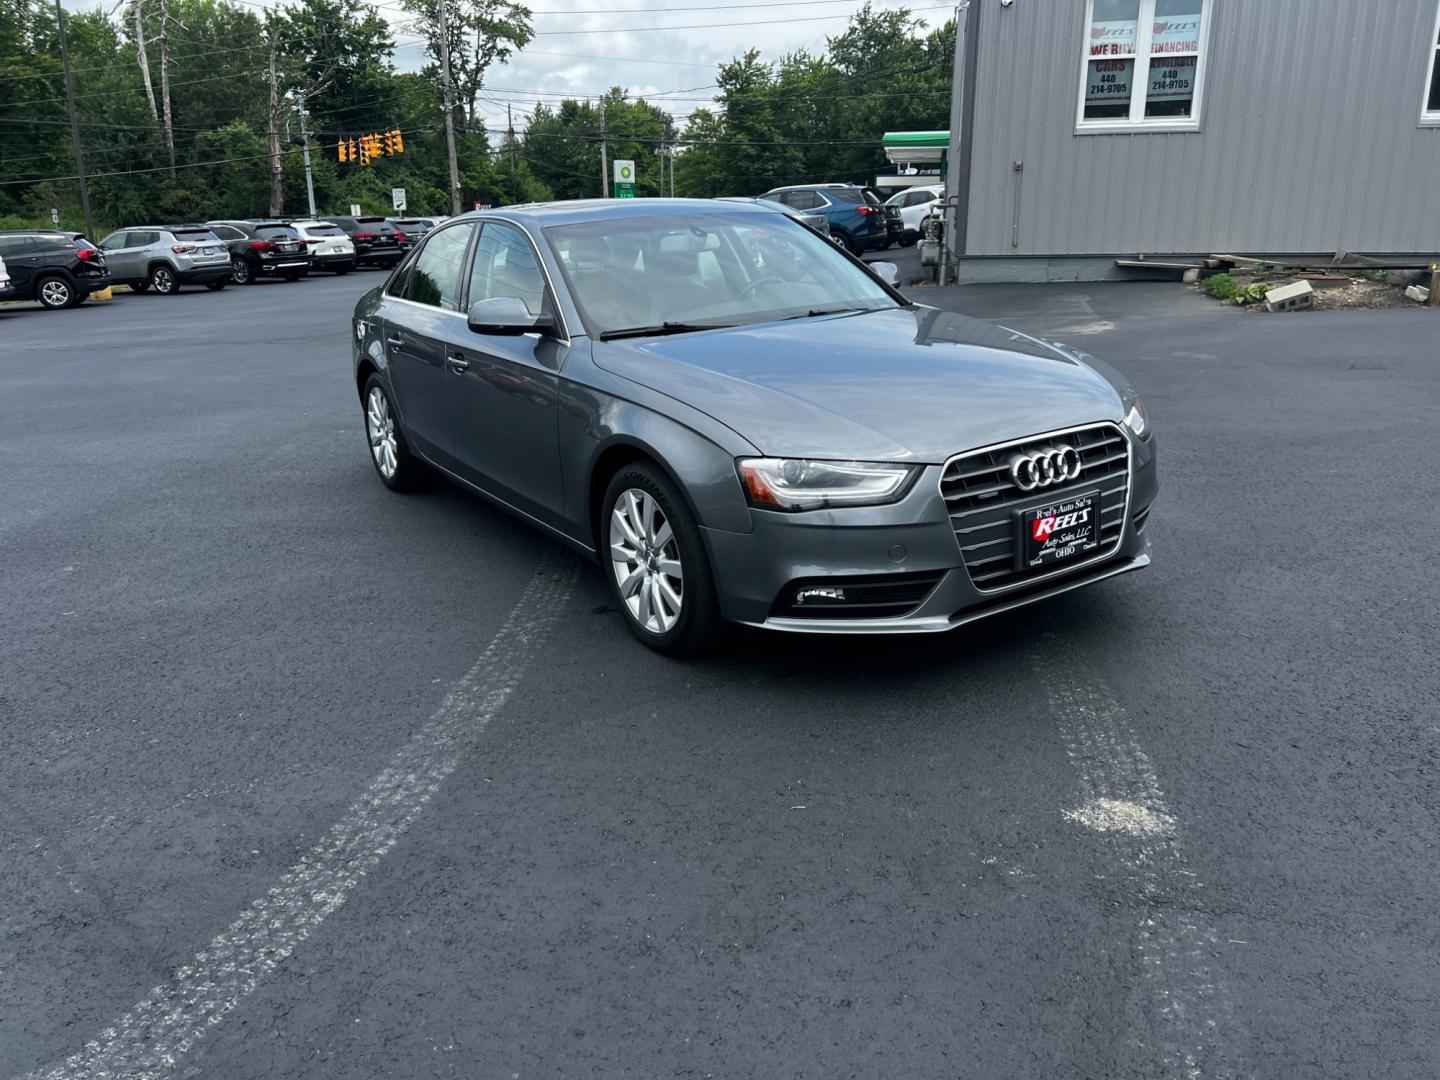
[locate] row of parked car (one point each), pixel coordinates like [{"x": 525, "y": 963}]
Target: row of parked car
[
  {"x": 853, "y": 215},
  {"x": 61, "y": 269}
]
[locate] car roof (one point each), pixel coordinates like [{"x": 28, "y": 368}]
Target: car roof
[
  {"x": 813, "y": 187},
  {"x": 576, "y": 211}
]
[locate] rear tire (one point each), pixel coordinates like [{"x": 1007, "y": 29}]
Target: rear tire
[
  {"x": 55, "y": 292},
  {"x": 851, "y": 244},
  {"x": 649, "y": 544},
  {"x": 240, "y": 272},
  {"x": 397, "y": 468},
  {"x": 162, "y": 280}
]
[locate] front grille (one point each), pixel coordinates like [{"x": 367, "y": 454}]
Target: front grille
[{"x": 982, "y": 498}]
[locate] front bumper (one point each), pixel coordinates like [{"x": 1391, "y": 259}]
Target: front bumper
[{"x": 915, "y": 536}]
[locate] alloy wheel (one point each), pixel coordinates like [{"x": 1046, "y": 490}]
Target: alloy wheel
[
  {"x": 239, "y": 271},
  {"x": 380, "y": 426},
  {"x": 645, "y": 558},
  {"x": 54, "y": 293},
  {"x": 162, "y": 280}
]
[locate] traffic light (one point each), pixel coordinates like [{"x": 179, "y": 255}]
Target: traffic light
[
  {"x": 399, "y": 141},
  {"x": 390, "y": 143}
]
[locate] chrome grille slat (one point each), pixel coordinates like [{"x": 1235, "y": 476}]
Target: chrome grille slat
[{"x": 980, "y": 496}]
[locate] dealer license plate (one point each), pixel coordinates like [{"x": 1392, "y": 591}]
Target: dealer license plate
[{"x": 1057, "y": 532}]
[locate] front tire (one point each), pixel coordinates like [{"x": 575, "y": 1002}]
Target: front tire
[
  {"x": 240, "y": 272},
  {"x": 162, "y": 280},
  {"x": 394, "y": 464},
  {"x": 656, "y": 566}
]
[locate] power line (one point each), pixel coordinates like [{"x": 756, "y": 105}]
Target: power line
[{"x": 714, "y": 26}]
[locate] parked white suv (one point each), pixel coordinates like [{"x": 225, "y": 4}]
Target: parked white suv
[
  {"x": 915, "y": 203},
  {"x": 329, "y": 245}
]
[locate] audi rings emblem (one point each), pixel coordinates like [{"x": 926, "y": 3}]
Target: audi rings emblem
[{"x": 1045, "y": 468}]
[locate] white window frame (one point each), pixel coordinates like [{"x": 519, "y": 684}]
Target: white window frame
[
  {"x": 1430, "y": 117},
  {"x": 1140, "y": 81}
]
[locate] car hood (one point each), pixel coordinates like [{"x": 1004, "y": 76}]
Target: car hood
[{"x": 903, "y": 384}]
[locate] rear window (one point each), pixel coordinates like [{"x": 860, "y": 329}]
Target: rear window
[
  {"x": 847, "y": 194},
  {"x": 277, "y": 232},
  {"x": 196, "y": 236},
  {"x": 324, "y": 230},
  {"x": 370, "y": 220}
]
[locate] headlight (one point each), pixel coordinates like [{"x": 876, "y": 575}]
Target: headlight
[
  {"x": 1136, "y": 420},
  {"x": 798, "y": 484}
]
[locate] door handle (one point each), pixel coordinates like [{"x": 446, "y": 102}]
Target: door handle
[
  {"x": 458, "y": 364},
  {"x": 395, "y": 342}
]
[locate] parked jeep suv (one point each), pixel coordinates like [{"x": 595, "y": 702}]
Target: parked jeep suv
[
  {"x": 856, "y": 217},
  {"x": 259, "y": 248},
  {"x": 164, "y": 257},
  {"x": 59, "y": 269}
]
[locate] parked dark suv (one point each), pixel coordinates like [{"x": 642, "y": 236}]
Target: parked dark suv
[
  {"x": 857, "y": 218},
  {"x": 262, "y": 248},
  {"x": 377, "y": 241},
  {"x": 59, "y": 269}
]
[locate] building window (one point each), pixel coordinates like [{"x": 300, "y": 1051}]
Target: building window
[
  {"x": 1143, "y": 64},
  {"x": 1430, "y": 114}
]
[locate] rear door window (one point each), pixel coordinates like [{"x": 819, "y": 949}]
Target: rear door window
[{"x": 847, "y": 195}]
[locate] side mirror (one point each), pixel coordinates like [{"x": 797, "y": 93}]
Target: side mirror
[
  {"x": 888, "y": 272},
  {"x": 506, "y": 315}
]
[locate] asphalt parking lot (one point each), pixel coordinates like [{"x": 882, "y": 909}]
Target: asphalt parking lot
[{"x": 304, "y": 778}]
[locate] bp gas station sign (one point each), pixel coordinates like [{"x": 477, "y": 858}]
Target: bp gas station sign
[{"x": 624, "y": 179}]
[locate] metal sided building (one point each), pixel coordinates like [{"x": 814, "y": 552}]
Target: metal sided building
[{"x": 1097, "y": 129}]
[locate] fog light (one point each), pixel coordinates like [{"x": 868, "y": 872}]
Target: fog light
[{"x": 813, "y": 593}]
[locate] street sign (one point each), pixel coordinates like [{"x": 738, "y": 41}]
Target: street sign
[
  {"x": 624, "y": 179},
  {"x": 354, "y": 209},
  {"x": 397, "y": 196},
  {"x": 54, "y": 216}
]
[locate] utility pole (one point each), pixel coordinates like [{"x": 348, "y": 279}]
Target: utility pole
[
  {"x": 272, "y": 138},
  {"x": 952, "y": 242},
  {"x": 449, "y": 110},
  {"x": 165, "y": 82},
  {"x": 305, "y": 146},
  {"x": 510, "y": 134},
  {"x": 604, "y": 155},
  {"x": 74, "y": 123},
  {"x": 144, "y": 63}
]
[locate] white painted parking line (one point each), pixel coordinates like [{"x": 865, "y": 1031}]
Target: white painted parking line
[
  {"x": 1182, "y": 1024},
  {"x": 150, "y": 1039}
]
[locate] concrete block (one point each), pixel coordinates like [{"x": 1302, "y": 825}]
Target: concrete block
[
  {"x": 1418, "y": 293},
  {"x": 1191, "y": 276},
  {"x": 1290, "y": 297}
]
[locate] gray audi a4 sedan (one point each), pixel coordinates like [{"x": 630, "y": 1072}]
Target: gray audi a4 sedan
[{"x": 742, "y": 422}]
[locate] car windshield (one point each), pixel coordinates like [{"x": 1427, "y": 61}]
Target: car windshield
[{"x": 717, "y": 269}]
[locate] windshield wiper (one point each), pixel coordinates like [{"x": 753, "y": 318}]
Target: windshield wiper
[
  {"x": 661, "y": 329},
  {"x": 815, "y": 313}
]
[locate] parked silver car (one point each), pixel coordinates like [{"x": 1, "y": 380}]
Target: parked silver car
[{"x": 164, "y": 257}]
